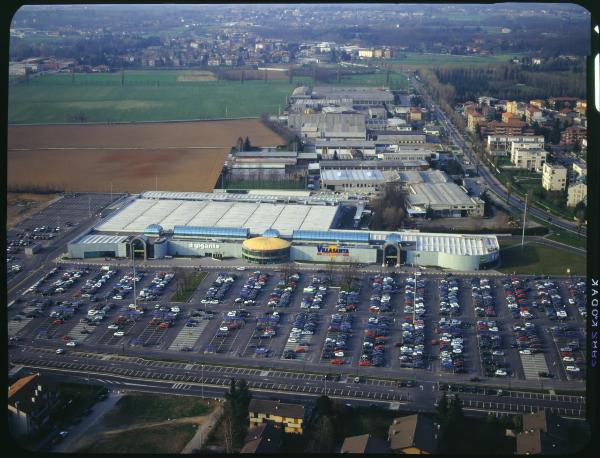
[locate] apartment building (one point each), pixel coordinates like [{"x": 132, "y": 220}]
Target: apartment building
[
  {"x": 523, "y": 156},
  {"x": 577, "y": 193},
  {"x": 572, "y": 135},
  {"x": 554, "y": 177},
  {"x": 500, "y": 145}
]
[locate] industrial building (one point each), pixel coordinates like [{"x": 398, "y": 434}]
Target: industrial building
[
  {"x": 433, "y": 190},
  {"x": 356, "y": 180},
  {"x": 341, "y": 126},
  {"x": 342, "y": 95},
  {"x": 263, "y": 229}
]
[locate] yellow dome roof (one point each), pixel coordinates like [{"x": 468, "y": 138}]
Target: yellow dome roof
[{"x": 265, "y": 244}]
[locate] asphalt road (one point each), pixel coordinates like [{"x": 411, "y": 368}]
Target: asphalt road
[
  {"x": 192, "y": 377},
  {"x": 492, "y": 183}
]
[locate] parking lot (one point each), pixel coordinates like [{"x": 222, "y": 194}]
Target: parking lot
[
  {"x": 406, "y": 323},
  {"x": 49, "y": 227}
]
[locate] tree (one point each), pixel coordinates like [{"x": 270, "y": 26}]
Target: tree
[
  {"x": 323, "y": 405},
  {"x": 235, "y": 412},
  {"x": 247, "y": 144},
  {"x": 239, "y": 144},
  {"x": 335, "y": 155},
  {"x": 442, "y": 410},
  {"x": 323, "y": 436}
]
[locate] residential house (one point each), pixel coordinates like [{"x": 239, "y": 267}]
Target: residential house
[
  {"x": 538, "y": 103},
  {"x": 365, "y": 443},
  {"x": 264, "y": 438},
  {"x": 543, "y": 433},
  {"x": 286, "y": 415},
  {"x": 554, "y": 177},
  {"x": 31, "y": 400},
  {"x": 572, "y": 135},
  {"x": 507, "y": 116},
  {"x": 413, "y": 434},
  {"x": 474, "y": 119},
  {"x": 533, "y": 114}
]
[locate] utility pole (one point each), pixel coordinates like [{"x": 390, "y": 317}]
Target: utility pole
[{"x": 524, "y": 220}]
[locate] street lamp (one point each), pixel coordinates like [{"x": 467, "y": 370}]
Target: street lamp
[{"x": 133, "y": 265}]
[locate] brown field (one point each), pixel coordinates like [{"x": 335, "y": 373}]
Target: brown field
[
  {"x": 182, "y": 156},
  {"x": 197, "y": 76},
  {"x": 22, "y": 205}
]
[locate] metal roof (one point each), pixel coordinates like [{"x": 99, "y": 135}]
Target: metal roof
[
  {"x": 236, "y": 232},
  {"x": 256, "y": 216},
  {"x": 332, "y": 176},
  {"x": 332, "y": 236},
  {"x": 101, "y": 238},
  {"x": 153, "y": 229},
  {"x": 458, "y": 244},
  {"x": 438, "y": 195},
  {"x": 423, "y": 176}
]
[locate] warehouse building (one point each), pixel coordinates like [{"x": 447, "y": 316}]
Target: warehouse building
[
  {"x": 340, "y": 126},
  {"x": 342, "y": 95},
  {"x": 362, "y": 181},
  {"x": 433, "y": 190},
  {"x": 267, "y": 229}
]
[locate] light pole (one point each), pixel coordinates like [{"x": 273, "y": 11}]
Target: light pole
[
  {"x": 202, "y": 380},
  {"x": 133, "y": 265}
]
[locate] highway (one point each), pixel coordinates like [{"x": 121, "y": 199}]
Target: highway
[{"x": 491, "y": 181}]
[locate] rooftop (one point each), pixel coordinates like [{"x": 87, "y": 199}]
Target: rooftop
[
  {"x": 332, "y": 176},
  {"x": 413, "y": 431},
  {"x": 256, "y": 216},
  {"x": 364, "y": 443},
  {"x": 276, "y": 408},
  {"x": 428, "y": 176},
  {"x": 438, "y": 194}
]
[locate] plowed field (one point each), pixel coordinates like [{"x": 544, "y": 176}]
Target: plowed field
[{"x": 181, "y": 156}]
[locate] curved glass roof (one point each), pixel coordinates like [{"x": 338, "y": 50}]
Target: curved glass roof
[
  {"x": 271, "y": 233},
  {"x": 393, "y": 238},
  {"x": 210, "y": 231},
  {"x": 153, "y": 229},
  {"x": 332, "y": 236}
]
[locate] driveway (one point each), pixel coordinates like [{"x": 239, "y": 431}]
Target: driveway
[{"x": 77, "y": 434}]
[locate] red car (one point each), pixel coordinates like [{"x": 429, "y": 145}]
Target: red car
[
  {"x": 364, "y": 362},
  {"x": 337, "y": 362}
]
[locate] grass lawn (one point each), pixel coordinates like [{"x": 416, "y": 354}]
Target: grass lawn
[
  {"x": 141, "y": 408},
  {"x": 155, "y": 95},
  {"x": 568, "y": 238},
  {"x": 449, "y": 59},
  {"x": 193, "y": 282},
  {"x": 167, "y": 439},
  {"x": 539, "y": 259}
]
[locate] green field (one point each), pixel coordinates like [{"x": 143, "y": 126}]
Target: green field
[
  {"x": 141, "y": 408},
  {"x": 167, "y": 439},
  {"x": 535, "y": 259},
  {"x": 449, "y": 59},
  {"x": 154, "y": 95},
  {"x": 568, "y": 238}
]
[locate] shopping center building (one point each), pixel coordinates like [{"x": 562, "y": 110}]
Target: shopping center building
[{"x": 268, "y": 229}]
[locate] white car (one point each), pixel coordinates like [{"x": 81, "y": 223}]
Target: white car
[
  {"x": 119, "y": 334},
  {"x": 572, "y": 369},
  {"x": 231, "y": 314},
  {"x": 113, "y": 326},
  {"x": 72, "y": 343},
  {"x": 525, "y": 352},
  {"x": 224, "y": 328},
  {"x": 240, "y": 268},
  {"x": 498, "y": 353},
  {"x": 60, "y": 351},
  {"x": 561, "y": 314},
  {"x": 572, "y": 301},
  {"x": 339, "y": 354},
  {"x": 568, "y": 359},
  {"x": 292, "y": 340},
  {"x": 501, "y": 373}
]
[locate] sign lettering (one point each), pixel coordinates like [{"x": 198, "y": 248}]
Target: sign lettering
[{"x": 332, "y": 250}]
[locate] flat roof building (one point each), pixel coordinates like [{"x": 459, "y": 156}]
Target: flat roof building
[
  {"x": 554, "y": 177},
  {"x": 329, "y": 125},
  {"x": 156, "y": 224},
  {"x": 354, "y": 180}
]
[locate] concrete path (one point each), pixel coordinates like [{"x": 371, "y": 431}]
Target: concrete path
[
  {"x": 77, "y": 435},
  {"x": 203, "y": 430}
]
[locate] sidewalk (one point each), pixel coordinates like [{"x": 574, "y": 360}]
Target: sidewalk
[
  {"x": 203, "y": 430},
  {"x": 77, "y": 435}
]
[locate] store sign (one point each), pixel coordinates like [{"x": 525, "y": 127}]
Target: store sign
[
  {"x": 332, "y": 250},
  {"x": 204, "y": 246}
]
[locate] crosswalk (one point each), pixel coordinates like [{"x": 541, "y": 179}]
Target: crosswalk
[{"x": 181, "y": 386}]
